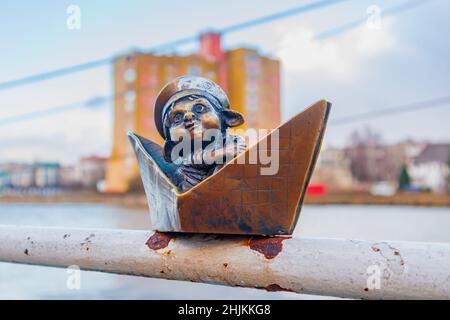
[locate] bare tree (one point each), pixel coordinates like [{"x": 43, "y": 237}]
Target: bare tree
[{"x": 370, "y": 160}]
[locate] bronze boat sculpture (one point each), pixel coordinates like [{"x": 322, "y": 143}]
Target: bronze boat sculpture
[{"x": 237, "y": 198}]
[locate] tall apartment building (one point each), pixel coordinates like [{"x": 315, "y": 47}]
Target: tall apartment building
[{"x": 251, "y": 81}]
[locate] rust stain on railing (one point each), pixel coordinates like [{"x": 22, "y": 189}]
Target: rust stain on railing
[
  {"x": 159, "y": 240},
  {"x": 270, "y": 247}
]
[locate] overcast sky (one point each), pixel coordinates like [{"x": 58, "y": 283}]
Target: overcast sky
[{"x": 405, "y": 60}]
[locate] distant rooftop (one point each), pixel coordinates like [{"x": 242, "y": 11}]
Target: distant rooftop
[{"x": 434, "y": 153}]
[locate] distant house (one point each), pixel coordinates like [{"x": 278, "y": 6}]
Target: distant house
[
  {"x": 69, "y": 177},
  {"x": 23, "y": 175},
  {"x": 46, "y": 174},
  {"x": 430, "y": 168},
  {"x": 333, "y": 171},
  {"x": 4, "y": 179},
  {"x": 92, "y": 170},
  {"x": 17, "y": 175},
  {"x": 380, "y": 162}
]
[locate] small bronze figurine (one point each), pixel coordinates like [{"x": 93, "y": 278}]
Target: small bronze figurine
[
  {"x": 210, "y": 185},
  {"x": 199, "y": 106}
]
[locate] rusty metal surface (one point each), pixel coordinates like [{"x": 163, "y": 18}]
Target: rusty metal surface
[
  {"x": 330, "y": 267},
  {"x": 270, "y": 247},
  {"x": 238, "y": 199}
]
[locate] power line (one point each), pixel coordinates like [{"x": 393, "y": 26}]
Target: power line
[
  {"x": 105, "y": 61},
  {"x": 280, "y": 15},
  {"x": 234, "y": 28},
  {"x": 95, "y": 102},
  {"x": 416, "y": 106},
  {"x": 90, "y": 103},
  {"x": 53, "y": 74},
  {"x": 82, "y": 66},
  {"x": 100, "y": 100},
  {"x": 356, "y": 23}
]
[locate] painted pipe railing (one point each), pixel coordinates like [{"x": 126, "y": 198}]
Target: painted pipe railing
[{"x": 332, "y": 267}]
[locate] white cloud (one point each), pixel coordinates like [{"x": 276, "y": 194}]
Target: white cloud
[
  {"x": 340, "y": 57},
  {"x": 63, "y": 137},
  {"x": 59, "y": 137}
]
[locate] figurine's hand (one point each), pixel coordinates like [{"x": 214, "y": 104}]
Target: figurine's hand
[
  {"x": 209, "y": 156},
  {"x": 232, "y": 148},
  {"x": 214, "y": 156}
]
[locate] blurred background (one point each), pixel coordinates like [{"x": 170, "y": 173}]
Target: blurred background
[{"x": 77, "y": 75}]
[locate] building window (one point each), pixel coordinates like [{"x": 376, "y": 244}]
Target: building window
[
  {"x": 252, "y": 65},
  {"x": 194, "y": 70},
  {"x": 130, "y": 97},
  {"x": 211, "y": 75},
  {"x": 252, "y": 102},
  {"x": 171, "y": 72},
  {"x": 129, "y": 75}
]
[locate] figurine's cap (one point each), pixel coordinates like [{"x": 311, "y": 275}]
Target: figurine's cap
[{"x": 184, "y": 86}]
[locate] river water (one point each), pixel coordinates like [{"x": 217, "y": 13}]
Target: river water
[{"x": 334, "y": 221}]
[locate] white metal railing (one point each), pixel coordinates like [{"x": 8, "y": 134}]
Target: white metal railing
[{"x": 332, "y": 267}]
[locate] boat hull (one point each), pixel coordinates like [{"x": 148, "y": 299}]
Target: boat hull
[{"x": 241, "y": 198}]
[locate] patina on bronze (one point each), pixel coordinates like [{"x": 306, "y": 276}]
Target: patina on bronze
[
  {"x": 234, "y": 198},
  {"x": 190, "y": 106}
]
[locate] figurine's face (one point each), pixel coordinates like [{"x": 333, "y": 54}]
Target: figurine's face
[{"x": 192, "y": 116}]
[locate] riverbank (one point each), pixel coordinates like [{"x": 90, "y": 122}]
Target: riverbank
[
  {"x": 129, "y": 200},
  {"x": 139, "y": 200},
  {"x": 419, "y": 199}
]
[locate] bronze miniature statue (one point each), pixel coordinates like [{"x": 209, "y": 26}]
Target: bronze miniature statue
[
  {"x": 210, "y": 185},
  {"x": 201, "y": 105}
]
